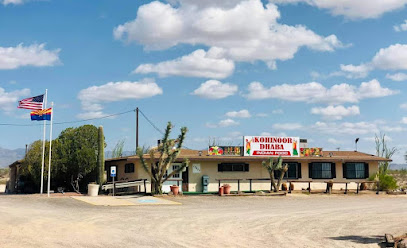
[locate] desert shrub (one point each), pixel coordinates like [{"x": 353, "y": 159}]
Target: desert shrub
[{"x": 387, "y": 182}]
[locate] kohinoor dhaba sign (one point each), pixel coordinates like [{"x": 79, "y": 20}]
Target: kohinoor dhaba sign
[{"x": 271, "y": 146}]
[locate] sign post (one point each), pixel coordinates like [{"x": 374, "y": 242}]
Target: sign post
[{"x": 113, "y": 175}]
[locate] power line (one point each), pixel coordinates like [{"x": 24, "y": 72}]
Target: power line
[
  {"x": 67, "y": 122},
  {"x": 151, "y": 123}
]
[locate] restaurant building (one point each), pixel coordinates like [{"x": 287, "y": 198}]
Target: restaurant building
[{"x": 241, "y": 167}]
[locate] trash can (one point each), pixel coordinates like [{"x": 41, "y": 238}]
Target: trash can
[{"x": 93, "y": 189}]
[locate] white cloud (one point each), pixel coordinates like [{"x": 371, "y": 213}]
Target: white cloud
[
  {"x": 353, "y": 9},
  {"x": 278, "y": 111},
  {"x": 197, "y": 64},
  {"x": 287, "y": 126},
  {"x": 404, "y": 120},
  {"x": 223, "y": 123},
  {"x": 245, "y": 30},
  {"x": 401, "y": 27},
  {"x": 355, "y": 71},
  {"x": 347, "y": 128},
  {"x": 317, "y": 93},
  {"x": 336, "y": 112},
  {"x": 265, "y": 134},
  {"x": 8, "y": 100},
  {"x": 262, "y": 115},
  {"x": 393, "y": 129},
  {"x": 373, "y": 138},
  {"x": 15, "y": 2},
  {"x": 244, "y": 113},
  {"x": 334, "y": 141},
  {"x": 91, "y": 115},
  {"x": 397, "y": 76},
  {"x": 403, "y": 106},
  {"x": 389, "y": 58},
  {"x": 213, "y": 89},
  {"x": 92, "y": 98},
  {"x": 33, "y": 55}
]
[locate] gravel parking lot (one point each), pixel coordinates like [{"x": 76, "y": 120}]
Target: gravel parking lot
[{"x": 204, "y": 221}]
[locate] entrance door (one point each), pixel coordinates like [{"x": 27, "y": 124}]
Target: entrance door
[
  {"x": 177, "y": 176},
  {"x": 185, "y": 180}
]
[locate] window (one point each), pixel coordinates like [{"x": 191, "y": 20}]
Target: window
[
  {"x": 294, "y": 171},
  {"x": 233, "y": 167},
  {"x": 175, "y": 167},
  {"x": 129, "y": 168},
  {"x": 355, "y": 170},
  {"x": 322, "y": 170}
]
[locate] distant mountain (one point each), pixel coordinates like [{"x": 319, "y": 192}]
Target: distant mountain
[
  {"x": 398, "y": 166},
  {"x": 8, "y": 156}
]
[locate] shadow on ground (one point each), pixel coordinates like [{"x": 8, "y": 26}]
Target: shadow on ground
[{"x": 361, "y": 239}]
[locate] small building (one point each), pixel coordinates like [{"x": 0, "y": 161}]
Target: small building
[
  {"x": 246, "y": 173},
  {"x": 14, "y": 173}
]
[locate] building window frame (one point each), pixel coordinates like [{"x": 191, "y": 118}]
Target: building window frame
[
  {"x": 129, "y": 168},
  {"x": 289, "y": 174},
  {"x": 233, "y": 167},
  {"x": 355, "y": 173},
  {"x": 322, "y": 170}
]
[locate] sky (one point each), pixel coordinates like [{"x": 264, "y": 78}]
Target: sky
[{"x": 327, "y": 71}]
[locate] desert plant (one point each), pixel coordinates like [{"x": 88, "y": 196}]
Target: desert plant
[
  {"x": 276, "y": 165},
  {"x": 118, "y": 149},
  {"x": 382, "y": 150},
  {"x": 167, "y": 152},
  {"x": 101, "y": 157}
]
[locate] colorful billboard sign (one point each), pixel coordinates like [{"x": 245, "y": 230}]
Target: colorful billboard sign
[
  {"x": 225, "y": 150},
  {"x": 271, "y": 146},
  {"x": 311, "y": 152}
]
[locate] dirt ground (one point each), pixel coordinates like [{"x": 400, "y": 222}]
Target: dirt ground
[{"x": 204, "y": 221}]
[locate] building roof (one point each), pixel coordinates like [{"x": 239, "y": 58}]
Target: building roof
[
  {"x": 15, "y": 163},
  {"x": 193, "y": 155}
]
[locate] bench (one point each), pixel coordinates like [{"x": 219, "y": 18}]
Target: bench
[
  {"x": 299, "y": 181},
  {"x": 125, "y": 184}
]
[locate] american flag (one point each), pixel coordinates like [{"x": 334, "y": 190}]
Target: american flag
[{"x": 34, "y": 103}]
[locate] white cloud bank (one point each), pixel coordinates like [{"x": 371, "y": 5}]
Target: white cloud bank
[
  {"x": 389, "y": 58},
  {"x": 92, "y": 98},
  {"x": 353, "y": 9},
  {"x": 244, "y": 113},
  {"x": 8, "y": 100},
  {"x": 397, "y": 77},
  {"x": 336, "y": 112},
  {"x": 15, "y": 2},
  {"x": 287, "y": 126},
  {"x": 214, "y": 89},
  {"x": 33, "y": 55},
  {"x": 401, "y": 27},
  {"x": 197, "y": 64},
  {"x": 317, "y": 93},
  {"x": 245, "y": 30},
  {"x": 223, "y": 123}
]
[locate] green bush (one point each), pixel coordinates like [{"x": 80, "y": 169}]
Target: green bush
[{"x": 387, "y": 182}]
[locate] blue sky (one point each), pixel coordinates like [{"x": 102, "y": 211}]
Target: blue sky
[{"x": 327, "y": 71}]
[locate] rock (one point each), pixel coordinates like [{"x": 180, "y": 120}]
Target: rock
[
  {"x": 402, "y": 244},
  {"x": 170, "y": 193},
  {"x": 260, "y": 193}
]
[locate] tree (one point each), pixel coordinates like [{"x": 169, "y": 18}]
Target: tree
[
  {"x": 276, "y": 165},
  {"x": 162, "y": 157},
  {"x": 32, "y": 164},
  {"x": 382, "y": 150},
  {"x": 77, "y": 152}
]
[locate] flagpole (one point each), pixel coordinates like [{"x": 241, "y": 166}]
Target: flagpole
[
  {"x": 50, "y": 146},
  {"x": 43, "y": 144}
]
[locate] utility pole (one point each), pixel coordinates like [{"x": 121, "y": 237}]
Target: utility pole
[{"x": 137, "y": 128}]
